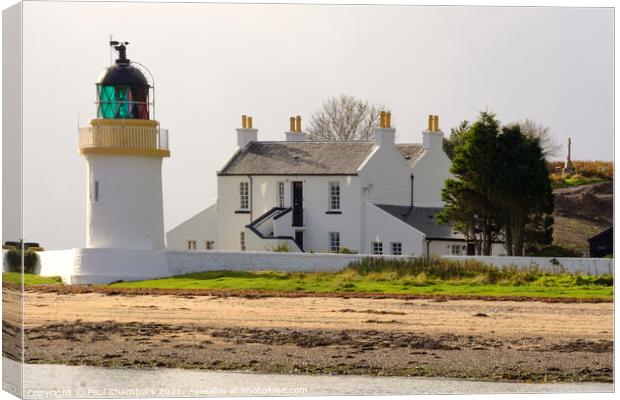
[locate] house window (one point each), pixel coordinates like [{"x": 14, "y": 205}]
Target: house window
[
  {"x": 94, "y": 195},
  {"x": 377, "y": 248},
  {"x": 242, "y": 241},
  {"x": 397, "y": 248},
  {"x": 334, "y": 195},
  {"x": 191, "y": 245},
  {"x": 456, "y": 250},
  {"x": 334, "y": 242},
  {"x": 280, "y": 194},
  {"x": 244, "y": 195},
  {"x": 209, "y": 244}
]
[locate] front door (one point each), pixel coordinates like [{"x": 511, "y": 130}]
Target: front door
[
  {"x": 299, "y": 239},
  {"x": 471, "y": 249},
  {"x": 298, "y": 206}
]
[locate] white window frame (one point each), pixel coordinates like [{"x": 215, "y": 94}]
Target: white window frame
[
  {"x": 280, "y": 194},
  {"x": 377, "y": 248},
  {"x": 456, "y": 249},
  {"x": 191, "y": 245},
  {"x": 399, "y": 252},
  {"x": 242, "y": 240},
  {"x": 209, "y": 244},
  {"x": 334, "y": 196},
  {"x": 334, "y": 242},
  {"x": 244, "y": 195}
]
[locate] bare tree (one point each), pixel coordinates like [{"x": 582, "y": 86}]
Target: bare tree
[
  {"x": 535, "y": 130},
  {"x": 345, "y": 118}
]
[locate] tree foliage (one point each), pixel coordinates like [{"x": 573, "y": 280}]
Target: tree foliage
[
  {"x": 345, "y": 118},
  {"x": 457, "y": 137},
  {"x": 471, "y": 193},
  {"x": 13, "y": 259},
  {"x": 524, "y": 190},
  {"x": 501, "y": 187}
]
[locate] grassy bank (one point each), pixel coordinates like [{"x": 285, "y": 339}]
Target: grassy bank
[
  {"x": 559, "y": 181},
  {"x": 414, "y": 276},
  {"x": 14, "y": 278}
]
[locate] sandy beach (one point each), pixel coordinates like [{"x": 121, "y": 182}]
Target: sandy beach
[{"x": 497, "y": 340}]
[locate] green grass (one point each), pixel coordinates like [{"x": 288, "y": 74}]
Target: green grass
[
  {"x": 575, "y": 180},
  {"x": 29, "y": 279},
  {"x": 389, "y": 276},
  {"x": 348, "y": 280}
]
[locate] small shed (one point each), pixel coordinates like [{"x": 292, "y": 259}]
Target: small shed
[{"x": 602, "y": 244}]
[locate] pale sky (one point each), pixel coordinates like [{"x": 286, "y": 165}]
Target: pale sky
[{"x": 214, "y": 62}]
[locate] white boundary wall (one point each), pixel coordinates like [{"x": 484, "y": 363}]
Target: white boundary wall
[
  {"x": 590, "y": 266},
  {"x": 100, "y": 266},
  {"x": 183, "y": 262}
]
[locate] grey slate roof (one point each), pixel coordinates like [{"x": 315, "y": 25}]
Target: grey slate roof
[
  {"x": 299, "y": 158},
  {"x": 308, "y": 158},
  {"x": 423, "y": 219},
  {"x": 411, "y": 152}
]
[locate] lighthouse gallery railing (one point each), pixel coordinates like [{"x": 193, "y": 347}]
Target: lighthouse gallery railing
[{"x": 124, "y": 137}]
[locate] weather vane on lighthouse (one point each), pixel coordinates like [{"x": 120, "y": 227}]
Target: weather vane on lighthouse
[
  {"x": 121, "y": 48},
  {"x": 124, "y": 148}
]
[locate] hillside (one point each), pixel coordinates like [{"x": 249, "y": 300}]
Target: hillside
[{"x": 581, "y": 212}]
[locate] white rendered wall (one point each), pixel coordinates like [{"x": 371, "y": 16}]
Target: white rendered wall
[
  {"x": 595, "y": 266},
  {"x": 129, "y": 212},
  {"x": 441, "y": 248},
  {"x": 430, "y": 172},
  {"x": 315, "y": 202},
  {"x": 57, "y": 263},
  {"x": 254, "y": 243},
  {"x": 380, "y": 226},
  {"x": 202, "y": 228},
  {"x": 386, "y": 177},
  {"x": 100, "y": 266},
  {"x": 195, "y": 261}
]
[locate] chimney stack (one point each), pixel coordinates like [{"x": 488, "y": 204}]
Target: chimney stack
[
  {"x": 295, "y": 134},
  {"x": 246, "y": 134},
  {"x": 432, "y": 137},
  {"x": 385, "y": 134}
]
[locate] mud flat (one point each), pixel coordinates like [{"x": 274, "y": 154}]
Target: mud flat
[{"x": 473, "y": 339}]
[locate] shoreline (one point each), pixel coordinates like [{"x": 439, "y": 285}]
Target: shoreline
[
  {"x": 182, "y": 383},
  {"x": 500, "y": 341}
]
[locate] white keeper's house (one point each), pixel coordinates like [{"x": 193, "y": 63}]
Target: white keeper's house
[{"x": 311, "y": 196}]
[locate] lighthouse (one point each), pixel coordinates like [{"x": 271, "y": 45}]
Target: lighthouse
[{"x": 124, "y": 147}]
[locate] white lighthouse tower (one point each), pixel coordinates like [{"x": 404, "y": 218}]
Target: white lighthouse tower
[{"x": 124, "y": 148}]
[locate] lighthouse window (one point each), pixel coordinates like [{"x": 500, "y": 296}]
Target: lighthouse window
[
  {"x": 95, "y": 192},
  {"x": 122, "y": 102},
  {"x": 123, "y": 96},
  {"x": 106, "y": 102}
]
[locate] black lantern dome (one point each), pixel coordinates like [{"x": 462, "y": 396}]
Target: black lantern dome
[{"x": 122, "y": 89}]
